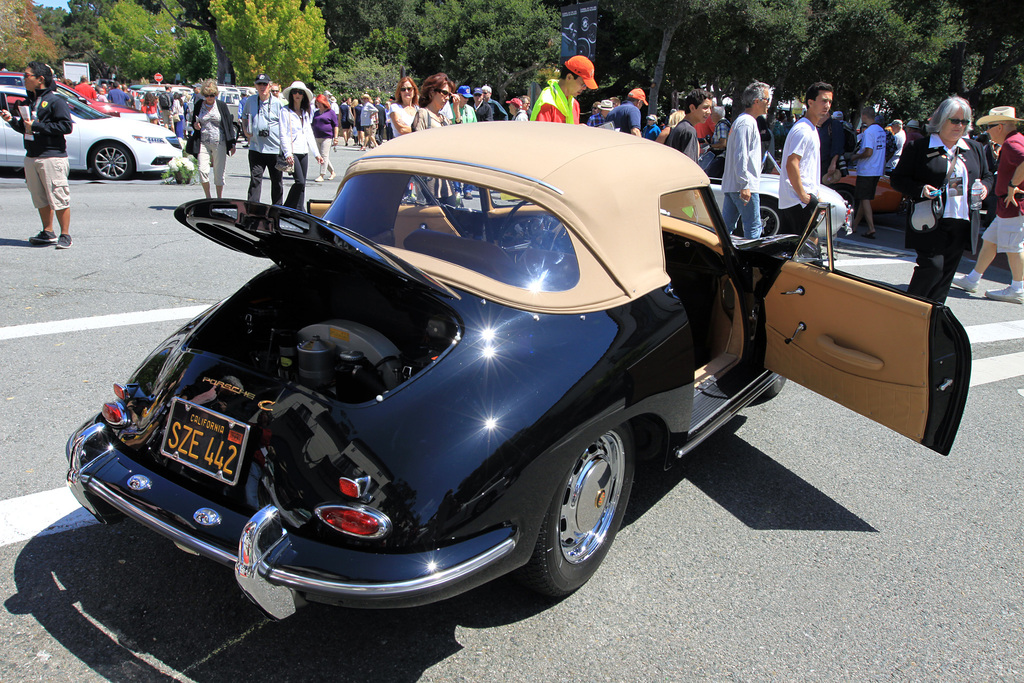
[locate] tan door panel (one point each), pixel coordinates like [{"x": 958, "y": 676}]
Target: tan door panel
[{"x": 858, "y": 344}]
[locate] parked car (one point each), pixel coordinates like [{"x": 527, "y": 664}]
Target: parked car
[
  {"x": 887, "y": 199},
  {"x": 16, "y": 79},
  {"x": 112, "y": 148},
  {"x": 768, "y": 192},
  {"x": 426, "y": 392},
  {"x": 233, "y": 98}
]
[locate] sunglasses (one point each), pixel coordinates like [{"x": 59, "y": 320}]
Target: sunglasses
[
  {"x": 990, "y": 126},
  {"x": 407, "y": 88},
  {"x": 446, "y": 93},
  {"x": 959, "y": 122}
]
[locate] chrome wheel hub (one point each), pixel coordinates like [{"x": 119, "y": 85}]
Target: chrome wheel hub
[
  {"x": 591, "y": 498},
  {"x": 111, "y": 162}
]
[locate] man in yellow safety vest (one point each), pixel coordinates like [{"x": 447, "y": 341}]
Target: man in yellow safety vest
[{"x": 557, "y": 102}]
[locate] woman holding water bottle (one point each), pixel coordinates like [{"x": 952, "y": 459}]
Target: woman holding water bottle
[{"x": 941, "y": 170}]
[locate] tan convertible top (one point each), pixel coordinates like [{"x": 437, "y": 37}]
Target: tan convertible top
[{"x": 605, "y": 185}]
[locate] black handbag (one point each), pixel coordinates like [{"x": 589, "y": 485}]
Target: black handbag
[{"x": 192, "y": 144}]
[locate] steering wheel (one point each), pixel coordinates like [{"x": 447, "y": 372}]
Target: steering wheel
[{"x": 540, "y": 231}]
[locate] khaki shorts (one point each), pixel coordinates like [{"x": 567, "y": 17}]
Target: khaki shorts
[
  {"x": 47, "y": 180},
  {"x": 1007, "y": 234}
]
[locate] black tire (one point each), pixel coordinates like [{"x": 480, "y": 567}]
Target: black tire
[
  {"x": 846, "y": 193},
  {"x": 770, "y": 219},
  {"x": 112, "y": 161},
  {"x": 574, "y": 540}
]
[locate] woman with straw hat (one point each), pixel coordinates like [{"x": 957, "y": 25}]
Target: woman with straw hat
[{"x": 297, "y": 141}]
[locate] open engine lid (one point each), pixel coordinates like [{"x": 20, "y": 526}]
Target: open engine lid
[{"x": 290, "y": 237}]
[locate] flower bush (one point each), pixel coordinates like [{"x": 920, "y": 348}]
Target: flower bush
[{"x": 182, "y": 171}]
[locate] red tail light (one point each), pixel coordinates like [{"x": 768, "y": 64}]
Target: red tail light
[
  {"x": 115, "y": 414},
  {"x": 122, "y": 392},
  {"x": 355, "y": 520}
]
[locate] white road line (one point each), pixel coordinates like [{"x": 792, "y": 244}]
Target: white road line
[
  {"x": 875, "y": 261},
  {"x": 996, "y": 368},
  {"x": 100, "y": 321},
  {"x": 40, "y": 514},
  {"x": 992, "y": 332}
]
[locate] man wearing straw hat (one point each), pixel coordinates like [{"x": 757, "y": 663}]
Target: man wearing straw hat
[{"x": 1006, "y": 234}]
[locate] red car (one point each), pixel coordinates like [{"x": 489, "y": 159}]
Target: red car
[{"x": 15, "y": 78}]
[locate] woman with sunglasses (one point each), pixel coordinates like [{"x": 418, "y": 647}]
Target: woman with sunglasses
[
  {"x": 434, "y": 94},
  {"x": 212, "y": 118},
  {"x": 297, "y": 140},
  {"x": 402, "y": 112},
  {"x": 942, "y": 166}
]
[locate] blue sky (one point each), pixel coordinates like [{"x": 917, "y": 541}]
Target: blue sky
[{"x": 53, "y": 3}]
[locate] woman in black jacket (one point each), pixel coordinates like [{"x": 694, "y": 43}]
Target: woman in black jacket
[
  {"x": 212, "y": 118},
  {"x": 944, "y": 164}
]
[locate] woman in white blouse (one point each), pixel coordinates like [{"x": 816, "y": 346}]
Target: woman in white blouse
[
  {"x": 297, "y": 141},
  {"x": 404, "y": 108}
]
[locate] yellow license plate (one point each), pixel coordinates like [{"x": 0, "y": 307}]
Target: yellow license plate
[{"x": 204, "y": 440}]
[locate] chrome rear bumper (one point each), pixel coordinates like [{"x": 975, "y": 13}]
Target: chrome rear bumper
[{"x": 268, "y": 562}]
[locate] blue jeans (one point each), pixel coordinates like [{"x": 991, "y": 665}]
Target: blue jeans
[{"x": 733, "y": 209}]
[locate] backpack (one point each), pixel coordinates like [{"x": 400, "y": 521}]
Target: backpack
[
  {"x": 849, "y": 140},
  {"x": 890, "y": 145},
  {"x": 165, "y": 100}
]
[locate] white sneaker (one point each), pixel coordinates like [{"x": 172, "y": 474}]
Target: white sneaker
[
  {"x": 965, "y": 283},
  {"x": 319, "y": 179},
  {"x": 1009, "y": 295}
]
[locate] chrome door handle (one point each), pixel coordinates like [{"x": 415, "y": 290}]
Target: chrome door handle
[
  {"x": 799, "y": 328},
  {"x": 798, "y": 290}
]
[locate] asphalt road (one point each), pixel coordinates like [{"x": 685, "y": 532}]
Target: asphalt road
[{"x": 802, "y": 542}]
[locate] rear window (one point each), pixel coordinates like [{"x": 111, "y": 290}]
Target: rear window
[{"x": 496, "y": 234}]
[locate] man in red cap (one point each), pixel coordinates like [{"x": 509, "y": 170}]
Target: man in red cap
[
  {"x": 557, "y": 102},
  {"x": 627, "y": 117}
]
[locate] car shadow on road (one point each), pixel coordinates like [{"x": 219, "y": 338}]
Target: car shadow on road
[
  {"x": 748, "y": 484},
  {"x": 132, "y": 607}
]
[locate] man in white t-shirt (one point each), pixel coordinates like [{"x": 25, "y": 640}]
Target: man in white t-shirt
[
  {"x": 801, "y": 162},
  {"x": 870, "y": 166}
]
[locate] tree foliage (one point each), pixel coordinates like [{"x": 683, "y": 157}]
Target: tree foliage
[
  {"x": 278, "y": 37},
  {"x": 196, "y": 57},
  {"x": 479, "y": 41},
  {"x": 21, "y": 39},
  {"x": 141, "y": 42}
]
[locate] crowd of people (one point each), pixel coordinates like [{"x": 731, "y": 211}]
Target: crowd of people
[{"x": 946, "y": 174}]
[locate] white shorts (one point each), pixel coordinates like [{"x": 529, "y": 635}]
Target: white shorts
[{"x": 1007, "y": 234}]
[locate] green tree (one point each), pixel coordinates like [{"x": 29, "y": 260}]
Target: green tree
[
  {"x": 477, "y": 41},
  {"x": 196, "y": 57},
  {"x": 80, "y": 36},
  {"x": 354, "y": 75},
  {"x": 351, "y": 22},
  {"x": 989, "y": 48},
  {"x": 140, "y": 42},
  {"x": 275, "y": 36}
]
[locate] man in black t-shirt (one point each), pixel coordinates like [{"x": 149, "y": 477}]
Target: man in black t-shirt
[{"x": 684, "y": 136}]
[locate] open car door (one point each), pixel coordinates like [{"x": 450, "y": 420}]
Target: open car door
[{"x": 899, "y": 360}]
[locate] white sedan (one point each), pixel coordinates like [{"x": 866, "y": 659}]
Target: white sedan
[{"x": 112, "y": 148}]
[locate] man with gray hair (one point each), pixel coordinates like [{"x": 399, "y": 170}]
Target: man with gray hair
[
  {"x": 900, "y": 136},
  {"x": 742, "y": 176}
]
